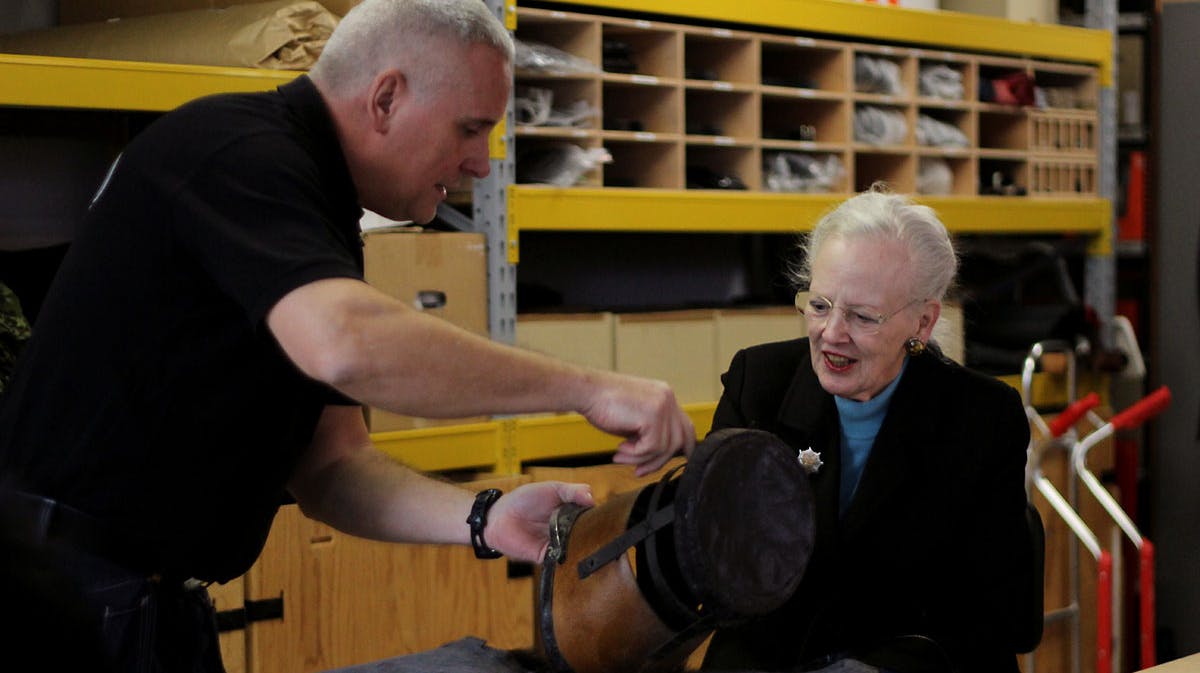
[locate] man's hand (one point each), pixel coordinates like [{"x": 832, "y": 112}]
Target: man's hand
[
  {"x": 646, "y": 414},
  {"x": 519, "y": 523}
]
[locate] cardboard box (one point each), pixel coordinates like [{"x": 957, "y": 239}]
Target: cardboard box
[
  {"x": 443, "y": 274},
  {"x": 678, "y": 347},
  {"x": 581, "y": 338},
  {"x": 1039, "y": 11},
  {"x": 1131, "y": 56},
  {"x": 277, "y": 35},
  {"x": 86, "y": 11},
  {"x": 744, "y": 327}
]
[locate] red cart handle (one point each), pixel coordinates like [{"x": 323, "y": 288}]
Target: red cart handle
[
  {"x": 1104, "y": 613},
  {"x": 1146, "y": 575},
  {"x": 1073, "y": 413},
  {"x": 1141, "y": 410}
]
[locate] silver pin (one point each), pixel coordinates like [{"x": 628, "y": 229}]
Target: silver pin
[{"x": 810, "y": 460}]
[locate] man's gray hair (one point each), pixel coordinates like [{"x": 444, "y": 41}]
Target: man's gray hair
[
  {"x": 881, "y": 215},
  {"x": 376, "y": 35}
]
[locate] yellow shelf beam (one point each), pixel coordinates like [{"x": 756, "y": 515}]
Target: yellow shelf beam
[
  {"x": 567, "y": 435},
  {"x": 452, "y": 447},
  {"x": 939, "y": 29},
  {"x": 503, "y": 446},
  {"x": 506, "y": 446},
  {"x": 49, "y": 81},
  {"x": 537, "y": 208}
]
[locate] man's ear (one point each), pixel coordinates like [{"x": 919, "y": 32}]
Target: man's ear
[{"x": 384, "y": 98}]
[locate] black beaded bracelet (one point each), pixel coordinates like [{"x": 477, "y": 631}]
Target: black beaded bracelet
[{"x": 478, "y": 521}]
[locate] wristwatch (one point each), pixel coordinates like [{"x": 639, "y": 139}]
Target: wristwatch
[{"x": 478, "y": 521}]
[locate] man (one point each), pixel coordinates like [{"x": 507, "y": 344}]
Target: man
[{"x": 209, "y": 339}]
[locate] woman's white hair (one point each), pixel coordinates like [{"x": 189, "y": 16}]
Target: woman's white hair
[
  {"x": 881, "y": 215},
  {"x": 376, "y": 35}
]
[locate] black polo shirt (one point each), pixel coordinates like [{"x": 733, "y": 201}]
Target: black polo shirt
[{"x": 152, "y": 394}]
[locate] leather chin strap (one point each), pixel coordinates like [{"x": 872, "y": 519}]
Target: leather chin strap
[
  {"x": 658, "y": 519},
  {"x": 560, "y": 529},
  {"x": 635, "y": 534}
]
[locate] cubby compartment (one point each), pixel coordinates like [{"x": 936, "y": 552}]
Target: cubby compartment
[
  {"x": 650, "y": 163},
  {"x": 945, "y": 174},
  {"x": 642, "y": 108},
  {"x": 732, "y": 114},
  {"x": 577, "y": 35},
  {"x": 884, "y": 71},
  {"x": 945, "y": 128},
  {"x": 641, "y": 49},
  {"x": 944, "y": 77},
  {"x": 1003, "y": 176},
  {"x": 804, "y": 63},
  {"x": 804, "y": 119},
  {"x": 1001, "y": 80},
  {"x": 1004, "y": 130},
  {"x": 556, "y": 105},
  {"x": 718, "y": 55},
  {"x": 562, "y": 162},
  {"x": 722, "y": 167},
  {"x": 883, "y": 125},
  {"x": 1060, "y": 179},
  {"x": 897, "y": 169},
  {"x": 1065, "y": 87},
  {"x": 1063, "y": 133},
  {"x": 789, "y": 170}
]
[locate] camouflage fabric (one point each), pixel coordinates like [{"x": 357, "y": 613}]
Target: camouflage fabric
[{"x": 14, "y": 332}]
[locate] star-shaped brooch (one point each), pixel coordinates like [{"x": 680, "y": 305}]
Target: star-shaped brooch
[{"x": 810, "y": 460}]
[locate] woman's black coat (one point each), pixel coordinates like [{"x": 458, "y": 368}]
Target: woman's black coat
[{"x": 932, "y": 567}]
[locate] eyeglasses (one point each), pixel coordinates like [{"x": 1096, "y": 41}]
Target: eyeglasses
[{"x": 860, "y": 320}]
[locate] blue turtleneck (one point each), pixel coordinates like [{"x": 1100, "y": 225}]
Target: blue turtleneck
[{"x": 860, "y": 423}]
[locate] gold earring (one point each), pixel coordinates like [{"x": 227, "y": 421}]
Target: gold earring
[{"x": 914, "y": 346}]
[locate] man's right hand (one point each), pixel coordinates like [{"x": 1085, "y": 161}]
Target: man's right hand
[{"x": 646, "y": 414}]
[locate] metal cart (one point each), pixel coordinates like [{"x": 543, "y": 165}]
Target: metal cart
[
  {"x": 1060, "y": 435},
  {"x": 1130, "y": 418}
]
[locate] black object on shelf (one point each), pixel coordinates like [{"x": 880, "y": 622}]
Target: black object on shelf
[
  {"x": 697, "y": 128},
  {"x": 703, "y": 177},
  {"x": 1001, "y": 184},
  {"x": 623, "y": 124},
  {"x": 792, "y": 81},
  {"x": 803, "y": 132},
  {"x": 617, "y": 56}
]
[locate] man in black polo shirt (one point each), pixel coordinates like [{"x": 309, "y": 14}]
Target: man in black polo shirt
[{"x": 209, "y": 338}]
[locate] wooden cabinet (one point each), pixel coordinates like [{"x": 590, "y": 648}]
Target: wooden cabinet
[{"x": 318, "y": 599}]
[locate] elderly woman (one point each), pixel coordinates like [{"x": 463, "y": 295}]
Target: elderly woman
[{"x": 924, "y": 559}]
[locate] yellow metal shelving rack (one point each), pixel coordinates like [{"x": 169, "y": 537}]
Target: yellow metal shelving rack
[
  {"x": 51, "y": 81},
  {"x": 503, "y": 445},
  {"x": 538, "y": 208}
]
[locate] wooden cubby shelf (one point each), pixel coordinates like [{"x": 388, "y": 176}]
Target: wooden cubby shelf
[{"x": 697, "y": 108}]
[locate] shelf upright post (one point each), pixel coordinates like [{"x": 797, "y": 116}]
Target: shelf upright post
[
  {"x": 1101, "y": 267},
  {"x": 490, "y": 212}
]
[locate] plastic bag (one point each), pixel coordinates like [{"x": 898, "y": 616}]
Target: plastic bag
[
  {"x": 877, "y": 75},
  {"x": 537, "y": 57},
  {"x": 934, "y": 176},
  {"x": 936, "y": 133},
  {"x": 879, "y": 126},
  {"x": 940, "y": 81},
  {"x": 533, "y": 106},
  {"x": 559, "y": 164},
  {"x": 798, "y": 172}
]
